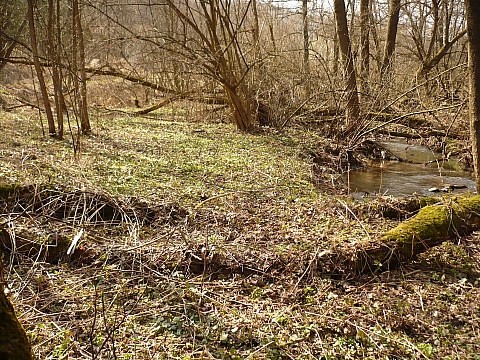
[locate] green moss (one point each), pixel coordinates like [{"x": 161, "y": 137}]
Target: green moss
[
  {"x": 430, "y": 222},
  {"x": 431, "y": 225},
  {"x": 468, "y": 205},
  {"x": 434, "y": 224}
]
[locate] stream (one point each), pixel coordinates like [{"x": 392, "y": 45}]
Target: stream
[{"x": 420, "y": 172}]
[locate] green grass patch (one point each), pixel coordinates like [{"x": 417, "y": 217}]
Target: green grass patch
[{"x": 159, "y": 158}]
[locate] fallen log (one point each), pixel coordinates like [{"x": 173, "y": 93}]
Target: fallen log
[{"x": 432, "y": 225}]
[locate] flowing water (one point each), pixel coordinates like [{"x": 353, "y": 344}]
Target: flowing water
[{"x": 423, "y": 174}]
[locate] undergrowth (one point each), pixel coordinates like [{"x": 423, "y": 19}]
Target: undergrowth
[{"x": 195, "y": 241}]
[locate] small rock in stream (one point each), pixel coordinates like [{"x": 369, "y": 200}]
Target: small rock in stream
[
  {"x": 447, "y": 188},
  {"x": 458, "y": 187}
]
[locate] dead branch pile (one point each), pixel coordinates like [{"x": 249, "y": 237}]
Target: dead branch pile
[{"x": 47, "y": 223}]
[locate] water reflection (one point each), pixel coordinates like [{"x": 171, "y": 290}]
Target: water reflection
[{"x": 401, "y": 179}]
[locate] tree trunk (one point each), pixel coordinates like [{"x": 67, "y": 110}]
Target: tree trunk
[
  {"x": 38, "y": 68},
  {"x": 306, "y": 44},
  {"x": 472, "y": 10},
  {"x": 376, "y": 42},
  {"x": 58, "y": 53},
  {"x": 53, "y": 59},
  {"x": 272, "y": 37},
  {"x": 394, "y": 10},
  {"x": 82, "y": 99},
  {"x": 336, "y": 50},
  {"x": 241, "y": 109},
  {"x": 73, "y": 73},
  {"x": 364, "y": 47},
  {"x": 256, "y": 26},
  {"x": 352, "y": 110},
  {"x": 14, "y": 344}
]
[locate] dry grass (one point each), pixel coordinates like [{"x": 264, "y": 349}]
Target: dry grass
[{"x": 214, "y": 252}]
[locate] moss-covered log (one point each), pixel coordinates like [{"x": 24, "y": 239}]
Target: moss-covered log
[
  {"x": 431, "y": 226},
  {"x": 14, "y": 343}
]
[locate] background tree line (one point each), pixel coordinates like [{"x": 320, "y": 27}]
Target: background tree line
[{"x": 269, "y": 61}]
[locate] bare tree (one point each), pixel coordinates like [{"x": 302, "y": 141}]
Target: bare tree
[
  {"x": 221, "y": 53},
  {"x": 473, "y": 33},
  {"x": 80, "y": 75},
  {"x": 440, "y": 43},
  {"x": 374, "y": 23},
  {"x": 352, "y": 110},
  {"x": 12, "y": 26},
  {"x": 256, "y": 25},
  {"x": 394, "y": 15},
  {"x": 58, "y": 63},
  {"x": 364, "y": 47},
  {"x": 54, "y": 58},
  {"x": 38, "y": 67},
  {"x": 306, "y": 39}
]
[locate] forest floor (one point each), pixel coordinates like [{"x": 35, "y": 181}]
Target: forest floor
[{"x": 195, "y": 241}]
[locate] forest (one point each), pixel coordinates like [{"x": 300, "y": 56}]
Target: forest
[{"x": 239, "y": 179}]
